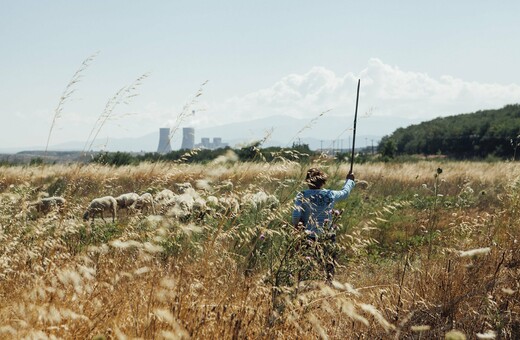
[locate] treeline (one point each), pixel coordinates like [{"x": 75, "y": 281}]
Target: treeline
[
  {"x": 483, "y": 134},
  {"x": 248, "y": 153}
]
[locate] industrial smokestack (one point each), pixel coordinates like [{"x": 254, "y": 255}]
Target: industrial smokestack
[
  {"x": 188, "y": 138},
  {"x": 164, "y": 141}
]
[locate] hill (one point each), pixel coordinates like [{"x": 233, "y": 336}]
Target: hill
[{"x": 480, "y": 134}]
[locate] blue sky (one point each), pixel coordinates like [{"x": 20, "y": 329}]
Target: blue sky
[{"x": 416, "y": 60}]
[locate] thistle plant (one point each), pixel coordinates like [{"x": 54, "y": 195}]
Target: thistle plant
[{"x": 433, "y": 216}]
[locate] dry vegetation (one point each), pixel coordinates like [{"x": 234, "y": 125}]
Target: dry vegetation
[{"x": 422, "y": 255}]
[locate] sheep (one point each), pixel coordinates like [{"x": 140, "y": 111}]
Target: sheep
[
  {"x": 188, "y": 205},
  {"x": 126, "y": 201},
  {"x": 225, "y": 205},
  {"x": 164, "y": 195},
  {"x": 182, "y": 205},
  {"x": 99, "y": 205},
  {"x": 183, "y": 187},
  {"x": 200, "y": 208},
  {"x": 145, "y": 201},
  {"x": 164, "y": 199},
  {"x": 47, "y": 204},
  {"x": 259, "y": 201}
]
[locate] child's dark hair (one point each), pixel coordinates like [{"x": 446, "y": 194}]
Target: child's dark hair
[{"x": 315, "y": 178}]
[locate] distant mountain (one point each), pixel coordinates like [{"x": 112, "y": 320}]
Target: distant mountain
[{"x": 325, "y": 132}]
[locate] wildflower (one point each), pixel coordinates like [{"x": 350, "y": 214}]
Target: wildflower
[{"x": 262, "y": 236}]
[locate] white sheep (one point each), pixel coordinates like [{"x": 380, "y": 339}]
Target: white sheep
[
  {"x": 188, "y": 205},
  {"x": 181, "y": 206},
  {"x": 260, "y": 200},
  {"x": 164, "y": 199},
  {"x": 200, "y": 208},
  {"x": 127, "y": 201},
  {"x": 224, "y": 205},
  {"x": 99, "y": 205},
  {"x": 183, "y": 187},
  {"x": 145, "y": 202},
  {"x": 47, "y": 204}
]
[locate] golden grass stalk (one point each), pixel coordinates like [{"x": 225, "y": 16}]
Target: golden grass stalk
[
  {"x": 122, "y": 96},
  {"x": 67, "y": 93},
  {"x": 308, "y": 126},
  {"x": 185, "y": 112}
]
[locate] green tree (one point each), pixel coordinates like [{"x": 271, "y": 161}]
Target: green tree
[{"x": 387, "y": 148}]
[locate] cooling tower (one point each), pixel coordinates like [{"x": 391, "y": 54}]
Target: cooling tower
[
  {"x": 164, "y": 141},
  {"x": 205, "y": 142},
  {"x": 188, "y": 138}
]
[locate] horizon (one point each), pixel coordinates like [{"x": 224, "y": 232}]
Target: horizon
[
  {"x": 274, "y": 137},
  {"x": 201, "y": 64}
]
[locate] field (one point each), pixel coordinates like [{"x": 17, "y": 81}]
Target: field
[{"x": 428, "y": 250}]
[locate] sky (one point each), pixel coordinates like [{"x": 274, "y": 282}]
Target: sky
[{"x": 75, "y": 70}]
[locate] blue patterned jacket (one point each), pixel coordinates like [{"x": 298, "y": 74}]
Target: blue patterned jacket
[{"x": 313, "y": 207}]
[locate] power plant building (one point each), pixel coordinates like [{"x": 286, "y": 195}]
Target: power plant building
[
  {"x": 188, "y": 141},
  {"x": 205, "y": 142},
  {"x": 164, "y": 141},
  {"x": 216, "y": 144},
  {"x": 188, "y": 138}
]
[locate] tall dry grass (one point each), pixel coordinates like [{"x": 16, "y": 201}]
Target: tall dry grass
[
  {"x": 69, "y": 90},
  {"x": 421, "y": 256}
]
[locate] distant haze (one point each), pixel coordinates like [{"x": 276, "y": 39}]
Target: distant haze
[{"x": 325, "y": 132}]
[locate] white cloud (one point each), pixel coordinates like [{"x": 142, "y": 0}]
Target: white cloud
[
  {"x": 417, "y": 95},
  {"x": 388, "y": 89},
  {"x": 296, "y": 95}
]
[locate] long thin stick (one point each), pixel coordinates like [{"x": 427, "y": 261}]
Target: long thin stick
[{"x": 354, "y": 136}]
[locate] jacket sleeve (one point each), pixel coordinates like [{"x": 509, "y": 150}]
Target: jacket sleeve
[
  {"x": 342, "y": 194},
  {"x": 297, "y": 211}
]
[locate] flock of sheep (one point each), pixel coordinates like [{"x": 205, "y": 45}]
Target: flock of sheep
[{"x": 185, "y": 204}]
